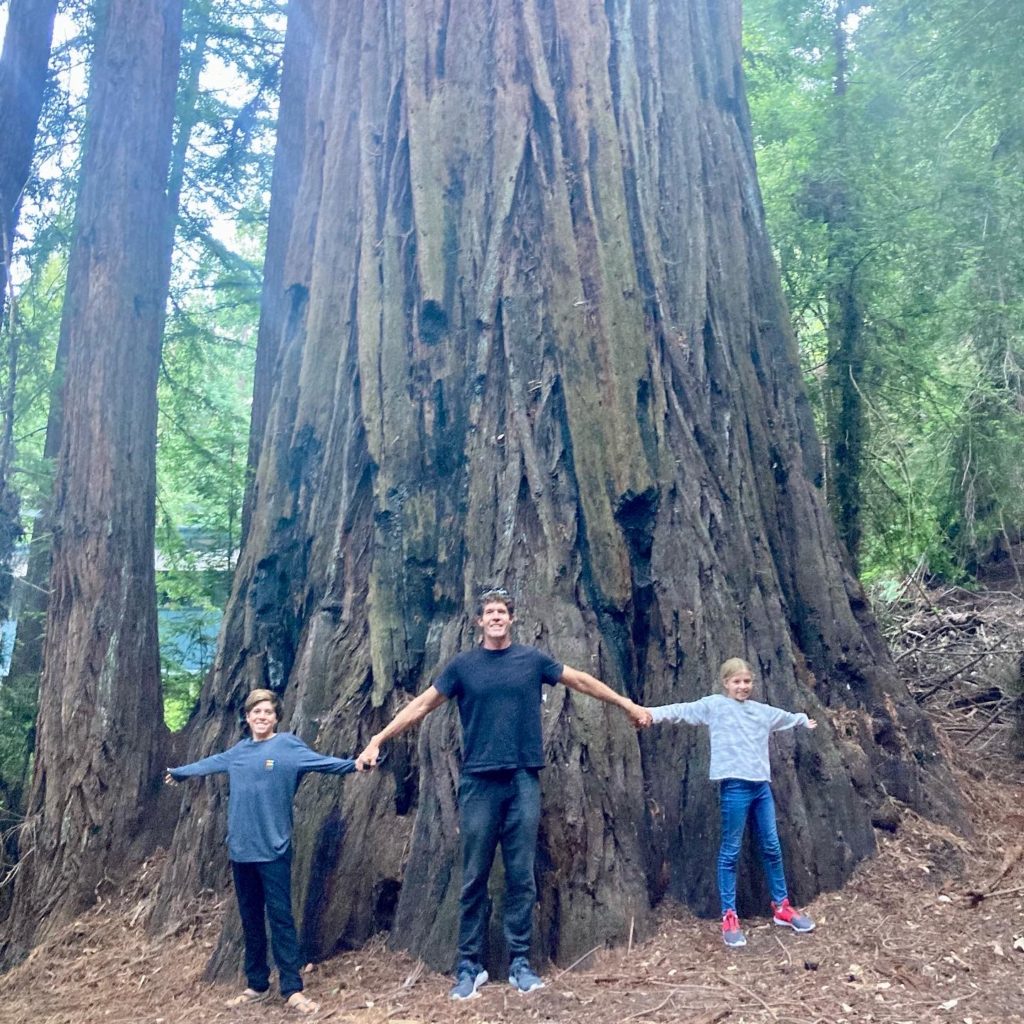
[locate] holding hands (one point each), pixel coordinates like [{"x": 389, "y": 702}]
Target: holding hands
[
  {"x": 639, "y": 716},
  {"x": 369, "y": 757}
]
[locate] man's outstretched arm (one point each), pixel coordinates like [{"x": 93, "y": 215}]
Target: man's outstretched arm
[
  {"x": 412, "y": 714},
  {"x": 583, "y": 682}
]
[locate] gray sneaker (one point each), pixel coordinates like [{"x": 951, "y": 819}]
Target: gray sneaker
[
  {"x": 790, "y": 917},
  {"x": 468, "y": 978},
  {"x": 732, "y": 934},
  {"x": 522, "y": 977}
]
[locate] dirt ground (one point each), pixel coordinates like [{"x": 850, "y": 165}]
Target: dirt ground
[{"x": 929, "y": 930}]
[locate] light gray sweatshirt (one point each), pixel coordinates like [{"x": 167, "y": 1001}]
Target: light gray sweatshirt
[{"x": 739, "y": 731}]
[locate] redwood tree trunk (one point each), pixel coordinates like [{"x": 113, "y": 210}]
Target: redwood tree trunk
[
  {"x": 288, "y": 162},
  {"x": 27, "y": 657},
  {"x": 99, "y": 728},
  {"x": 537, "y": 338},
  {"x": 26, "y": 56},
  {"x": 847, "y": 424},
  {"x": 23, "y": 66}
]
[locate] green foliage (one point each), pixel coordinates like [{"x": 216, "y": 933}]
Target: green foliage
[
  {"x": 232, "y": 51},
  {"x": 932, "y": 166},
  {"x": 224, "y": 146}
]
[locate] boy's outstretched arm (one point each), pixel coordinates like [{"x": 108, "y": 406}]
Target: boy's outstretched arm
[
  {"x": 212, "y": 765},
  {"x": 584, "y": 682}
]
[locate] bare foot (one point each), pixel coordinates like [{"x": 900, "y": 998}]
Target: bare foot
[
  {"x": 301, "y": 1004},
  {"x": 250, "y": 995}
]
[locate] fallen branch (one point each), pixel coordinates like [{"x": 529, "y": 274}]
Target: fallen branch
[
  {"x": 576, "y": 963},
  {"x": 977, "y": 732},
  {"x": 974, "y": 897},
  {"x": 747, "y": 991},
  {"x": 653, "y": 1009}
]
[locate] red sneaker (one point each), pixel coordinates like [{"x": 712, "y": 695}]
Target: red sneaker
[
  {"x": 784, "y": 914},
  {"x": 732, "y": 935}
]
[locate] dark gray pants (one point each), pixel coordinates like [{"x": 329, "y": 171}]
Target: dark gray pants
[{"x": 498, "y": 807}]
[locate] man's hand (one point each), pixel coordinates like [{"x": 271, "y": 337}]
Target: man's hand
[
  {"x": 640, "y": 717},
  {"x": 811, "y": 723},
  {"x": 169, "y": 779},
  {"x": 368, "y": 758}
]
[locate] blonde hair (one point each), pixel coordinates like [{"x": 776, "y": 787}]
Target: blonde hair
[
  {"x": 258, "y": 696},
  {"x": 732, "y": 667}
]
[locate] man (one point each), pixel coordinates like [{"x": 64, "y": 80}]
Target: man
[{"x": 497, "y": 687}]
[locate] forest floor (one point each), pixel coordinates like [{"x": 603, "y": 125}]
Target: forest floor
[{"x": 931, "y": 929}]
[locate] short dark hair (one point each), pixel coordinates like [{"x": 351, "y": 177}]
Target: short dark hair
[
  {"x": 258, "y": 696},
  {"x": 491, "y": 595}
]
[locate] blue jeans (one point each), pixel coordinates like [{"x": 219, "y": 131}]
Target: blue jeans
[
  {"x": 265, "y": 887},
  {"x": 741, "y": 799},
  {"x": 498, "y": 807}
]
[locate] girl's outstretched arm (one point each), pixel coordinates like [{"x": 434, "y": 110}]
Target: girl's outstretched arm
[
  {"x": 695, "y": 712},
  {"x": 788, "y": 719}
]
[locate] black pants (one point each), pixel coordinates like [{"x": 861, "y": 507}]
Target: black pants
[
  {"x": 264, "y": 891},
  {"x": 498, "y": 807}
]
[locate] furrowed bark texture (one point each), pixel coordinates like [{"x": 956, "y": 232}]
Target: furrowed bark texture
[
  {"x": 536, "y": 338},
  {"x": 288, "y": 160},
  {"x": 99, "y": 729}
]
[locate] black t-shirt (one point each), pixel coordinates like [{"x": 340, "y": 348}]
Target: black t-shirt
[{"x": 499, "y": 694}]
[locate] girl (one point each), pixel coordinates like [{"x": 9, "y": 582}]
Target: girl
[
  {"x": 263, "y": 772},
  {"x": 739, "y": 729}
]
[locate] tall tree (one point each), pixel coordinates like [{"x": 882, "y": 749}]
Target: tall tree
[
  {"x": 23, "y": 67},
  {"x": 536, "y": 337},
  {"x": 845, "y": 328},
  {"x": 99, "y": 727}
]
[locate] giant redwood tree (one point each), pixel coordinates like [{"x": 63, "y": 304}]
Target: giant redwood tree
[
  {"x": 99, "y": 728},
  {"x": 535, "y": 337}
]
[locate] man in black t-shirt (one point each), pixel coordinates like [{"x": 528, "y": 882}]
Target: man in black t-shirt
[{"x": 498, "y": 688}]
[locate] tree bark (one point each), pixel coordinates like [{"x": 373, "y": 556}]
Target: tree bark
[
  {"x": 847, "y": 426},
  {"x": 536, "y": 337},
  {"x": 99, "y": 728},
  {"x": 27, "y": 657},
  {"x": 26, "y": 56},
  {"x": 23, "y": 67},
  {"x": 289, "y": 154}
]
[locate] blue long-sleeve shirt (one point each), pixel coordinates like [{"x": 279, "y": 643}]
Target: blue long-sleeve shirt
[
  {"x": 739, "y": 731},
  {"x": 263, "y": 777}
]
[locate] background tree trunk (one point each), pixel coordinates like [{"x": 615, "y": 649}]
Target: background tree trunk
[
  {"x": 23, "y": 67},
  {"x": 27, "y": 658},
  {"x": 536, "y": 337},
  {"x": 846, "y": 422},
  {"x": 26, "y": 56},
  {"x": 99, "y": 728}
]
